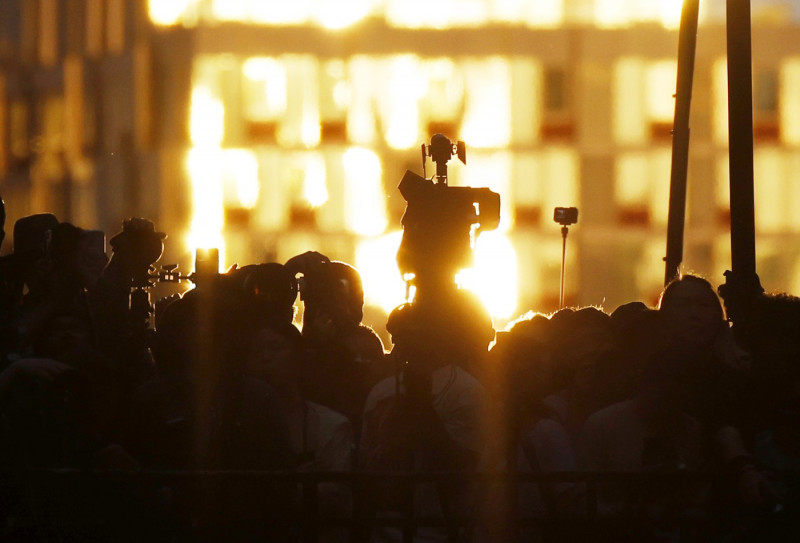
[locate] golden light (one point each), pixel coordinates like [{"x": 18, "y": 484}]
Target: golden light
[
  {"x": 492, "y": 170},
  {"x": 167, "y": 12},
  {"x": 310, "y": 128},
  {"x": 661, "y": 81},
  {"x": 206, "y": 118},
  {"x": 230, "y": 10},
  {"x": 364, "y": 194},
  {"x": 790, "y": 108},
  {"x": 612, "y": 13},
  {"x": 204, "y": 167},
  {"x": 315, "y": 190},
  {"x": 376, "y": 260},
  {"x": 336, "y": 15},
  {"x": 669, "y": 12},
  {"x": 241, "y": 171},
  {"x": 402, "y": 102},
  {"x": 280, "y": 11},
  {"x": 361, "y": 128},
  {"x": 541, "y": 13},
  {"x": 493, "y": 278},
  {"x": 487, "y": 119}
]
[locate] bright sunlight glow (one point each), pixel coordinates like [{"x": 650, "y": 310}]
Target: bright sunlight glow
[
  {"x": 167, "y": 12},
  {"x": 493, "y": 278},
  {"x": 207, "y": 194}
]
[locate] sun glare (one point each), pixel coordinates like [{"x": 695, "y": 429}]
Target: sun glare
[
  {"x": 364, "y": 194},
  {"x": 336, "y": 15},
  {"x": 315, "y": 189},
  {"x": 669, "y": 12},
  {"x": 376, "y": 260},
  {"x": 167, "y": 12},
  {"x": 207, "y": 196},
  {"x": 493, "y": 278},
  {"x": 207, "y": 118}
]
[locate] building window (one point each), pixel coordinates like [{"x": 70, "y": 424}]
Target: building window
[
  {"x": 48, "y": 32},
  {"x": 644, "y": 105},
  {"x": 115, "y": 25},
  {"x": 19, "y": 132},
  {"x": 641, "y": 187},
  {"x": 765, "y": 105},
  {"x": 789, "y": 109},
  {"x": 95, "y": 27},
  {"x": 557, "y": 122}
]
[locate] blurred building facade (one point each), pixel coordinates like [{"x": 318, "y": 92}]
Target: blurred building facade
[{"x": 270, "y": 128}]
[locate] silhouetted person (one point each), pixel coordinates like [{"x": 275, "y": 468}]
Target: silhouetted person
[
  {"x": 344, "y": 358},
  {"x": 429, "y": 416}
]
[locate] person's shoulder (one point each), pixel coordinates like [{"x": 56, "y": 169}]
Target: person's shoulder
[
  {"x": 387, "y": 388},
  {"x": 328, "y": 418},
  {"x": 612, "y": 414}
]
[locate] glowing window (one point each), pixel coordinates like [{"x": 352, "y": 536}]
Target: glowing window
[
  {"x": 361, "y": 128},
  {"x": 364, "y": 194},
  {"x": 529, "y": 99},
  {"x": 439, "y": 14},
  {"x": 790, "y": 101},
  {"x": 400, "y": 93},
  {"x": 279, "y": 12},
  {"x": 641, "y": 187},
  {"x": 240, "y": 178},
  {"x": 629, "y": 121},
  {"x": 772, "y": 209},
  {"x": 661, "y": 79},
  {"x": 263, "y": 88},
  {"x": 719, "y": 106},
  {"x": 170, "y": 12},
  {"x": 541, "y": 14},
  {"x": 207, "y": 117},
  {"x": 335, "y": 14},
  {"x": 205, "y": 171},
  {"x": 560, "y": 173},
  {"x": 301, "y": 125},
  {"x": 443, "y": 99},
  {"x": 620, "y": 13},
  {"x": 487, "y": 115}
]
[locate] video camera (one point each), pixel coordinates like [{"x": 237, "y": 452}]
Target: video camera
[{"x": 441, "y": 222}]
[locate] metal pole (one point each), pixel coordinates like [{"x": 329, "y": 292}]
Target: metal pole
[
  {"x": 687, "y": 41},
  {"x": 564, "y": 232},
  {"x": 740, "y": 134}
]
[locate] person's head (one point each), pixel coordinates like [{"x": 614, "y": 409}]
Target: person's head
[
  {"x": 274, "y": 355},
  {"x": 456, "y": 331},
  {"x": 583, "y": 348},
  {"x": 270, "y": 291},
  {"x": 76, "y": 254},
  {"x": 333, "y": 300},
  {"x": 692, "y": 310}
]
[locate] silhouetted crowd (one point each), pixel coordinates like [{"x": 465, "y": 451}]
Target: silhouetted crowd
[{"x": 122, "y": 420}]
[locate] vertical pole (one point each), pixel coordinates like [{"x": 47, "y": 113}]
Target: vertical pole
[
  {"x": 687, "y": 40},
  {"x": 740, "y": 136},
  {"x": 564, "y": 232}
]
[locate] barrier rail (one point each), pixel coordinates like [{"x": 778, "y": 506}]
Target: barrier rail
[{"x": 36, "y": 487}]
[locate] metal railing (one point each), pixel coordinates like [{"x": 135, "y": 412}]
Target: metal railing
[{"x": 37, "y": 487}]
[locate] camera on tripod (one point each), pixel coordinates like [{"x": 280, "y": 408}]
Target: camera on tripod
[{"x": 441, "y": 222}]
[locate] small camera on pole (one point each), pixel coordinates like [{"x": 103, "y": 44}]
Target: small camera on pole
[{"x": 565, "y": 216}]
